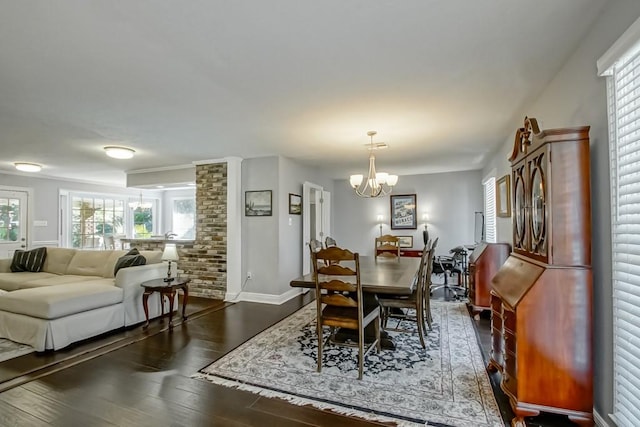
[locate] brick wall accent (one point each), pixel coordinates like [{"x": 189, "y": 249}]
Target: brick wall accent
[{"x": 206, "y": 262}]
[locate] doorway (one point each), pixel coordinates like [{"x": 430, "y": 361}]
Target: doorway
[
  {"x": 316, "y": 219},
  {"x": 14, "y": 206}
]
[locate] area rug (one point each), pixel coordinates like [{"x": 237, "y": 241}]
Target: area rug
[
  {"x": 10, "y": 349},
  {"x": 444, "y": 385}
]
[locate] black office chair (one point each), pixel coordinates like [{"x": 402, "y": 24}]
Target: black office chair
[{"x": 447, "y": 266}]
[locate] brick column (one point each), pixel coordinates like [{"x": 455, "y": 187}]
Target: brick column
[{"x": 206, "y": 262}]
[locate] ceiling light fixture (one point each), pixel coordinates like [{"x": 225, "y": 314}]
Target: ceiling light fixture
[
  {"x": 119, "y": 152},
  {"x": 28, "y": 167},
  {"x": 140, "y": 204},
  {"x": 377, "y": 184}
]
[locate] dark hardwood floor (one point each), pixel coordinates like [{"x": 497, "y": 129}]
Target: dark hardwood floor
[{"x": 140, "y": 378}]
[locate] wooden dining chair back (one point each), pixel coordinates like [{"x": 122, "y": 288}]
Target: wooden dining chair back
[
  {"x": 387, "y": 246},
  {"x": 339, "y": 301},
  {"x": 329, "y": 242},
  {"x": 415, "y": 301}
]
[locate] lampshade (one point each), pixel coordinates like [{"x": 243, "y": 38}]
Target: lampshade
[
  {"x": 27, "y": 167},
  {"x": 170, "y": 252},
  {"x": 119, "y": 152}
]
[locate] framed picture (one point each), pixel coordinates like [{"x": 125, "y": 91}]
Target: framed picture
[
  {"x": 406, "y": 241},
  {"x": 403, "y": 212},
  {"x": 503, "y": 197},
  {"x": 295, "y": 204},
  {"x": 257, "y": 203}
]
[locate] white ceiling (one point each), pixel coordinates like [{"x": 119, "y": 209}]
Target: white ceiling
[{"x": 179, "y": 81}]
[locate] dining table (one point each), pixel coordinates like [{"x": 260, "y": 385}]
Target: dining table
[{"x": 378, "y": 275}]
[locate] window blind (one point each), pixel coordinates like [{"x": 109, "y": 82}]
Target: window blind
[
  {"x": 623, "y": 89},
  {"x": 490, "y": 210}
]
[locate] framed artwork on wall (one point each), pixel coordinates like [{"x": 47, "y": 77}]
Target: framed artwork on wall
[
  {"x": 503, "y": 197},
  {"x": 257, "y": 203},
  {"x": 295, "y": 204},
  {"x": 406, "y": 241},
  {"x": 403, "y": 212}
]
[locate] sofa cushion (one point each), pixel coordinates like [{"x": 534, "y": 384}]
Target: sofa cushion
[
  {"x": 153, "y": 257},
  {"x": 58, "y": 301},
  {"x": 111, "y": 263},
  {"x": 56, "y": 280},
  {"x": 88, "y": 263},
  {"x": 13, "y": 281},
  {"x": 130, "y": 259},
  {"x": 32, "y": 260},
  {"x": 58, "y": 260}
]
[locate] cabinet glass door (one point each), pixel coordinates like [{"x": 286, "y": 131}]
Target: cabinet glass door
[
  {"x": 519, "y": 208},
  {"x": 538, "y": 206}
]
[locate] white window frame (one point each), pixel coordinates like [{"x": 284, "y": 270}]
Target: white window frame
[
  {"x": 621, "y": 65},
  {"x": 172, "y": 200},
  {"x": 490, "y": 221},
  {"x": 66, "y": 211}
]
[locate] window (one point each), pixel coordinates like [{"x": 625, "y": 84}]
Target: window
[
  {"x": 93, "y": 218},
  {"x": 622, "y": 64},
  {"x": 183, "y": 217},
  {"x": 490, "y": 209},
  {"x": 142, "y": 222}
]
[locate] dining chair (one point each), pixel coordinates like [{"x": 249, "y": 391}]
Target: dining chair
[
  {"x": 342, "y": 300},
  {"x": 387, "y": 246},
  {"x": 415, "y": 301}
]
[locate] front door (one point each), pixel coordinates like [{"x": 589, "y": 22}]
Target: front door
[{"x": 13, "y": 222}]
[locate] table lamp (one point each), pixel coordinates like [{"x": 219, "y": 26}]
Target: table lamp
[{"x": 170, "y": 254}]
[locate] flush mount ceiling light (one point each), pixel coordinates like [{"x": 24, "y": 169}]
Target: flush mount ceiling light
[
  {"x": 377, "y": 184},
  {"x": 119, "y": 152},
  {"x": 27, "y": 167}
]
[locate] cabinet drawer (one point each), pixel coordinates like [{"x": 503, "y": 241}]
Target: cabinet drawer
[{"x": 509, "y": 321}]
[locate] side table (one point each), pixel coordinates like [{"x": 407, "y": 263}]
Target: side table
[{"x": 165, "y": 288}]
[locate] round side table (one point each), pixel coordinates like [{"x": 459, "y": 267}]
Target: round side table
[{"x": 165, "y": 288}]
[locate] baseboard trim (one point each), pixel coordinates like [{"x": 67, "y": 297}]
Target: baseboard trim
[
  {"x": 264, "y": 298},
  {"x": 600, "y": 420}
]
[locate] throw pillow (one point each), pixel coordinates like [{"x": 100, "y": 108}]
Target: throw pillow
[
  {"x": 130, "y": 259},
  {"x": 32, "y": 260}
]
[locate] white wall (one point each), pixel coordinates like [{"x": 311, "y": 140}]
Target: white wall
[
  {"x": 46, "y": 201},
  {"x": 577, "y": 96},
  {"x": 450, "y": 200}
]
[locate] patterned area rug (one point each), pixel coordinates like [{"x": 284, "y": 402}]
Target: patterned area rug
[
  {"x": 444, "y": 385},
  {"x": 10, "y": 349}
]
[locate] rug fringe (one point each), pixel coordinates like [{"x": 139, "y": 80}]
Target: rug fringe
[{"x": 302, "y": 401}]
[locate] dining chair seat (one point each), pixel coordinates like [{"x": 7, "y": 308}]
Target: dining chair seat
[{"x": 346, "y": 317}]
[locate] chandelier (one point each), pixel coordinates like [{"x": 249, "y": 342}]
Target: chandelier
[
  {"x": 140, "y": 204},
  {"x": 377, "y": 184}
]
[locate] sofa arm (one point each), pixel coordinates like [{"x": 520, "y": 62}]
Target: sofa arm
[
  {"x": 130, "y": 278},
  {"x": 5, "y": 265}
]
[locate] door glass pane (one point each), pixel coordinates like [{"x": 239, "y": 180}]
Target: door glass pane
[{"x": 9, "y": 219}]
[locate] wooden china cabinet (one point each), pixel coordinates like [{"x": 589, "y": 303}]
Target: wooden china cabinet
[
  {"x": 541, "y": 300},
  {"x": 484, "y": 262}
]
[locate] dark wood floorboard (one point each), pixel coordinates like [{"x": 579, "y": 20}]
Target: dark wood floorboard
[{"x": 136, "y": 378}]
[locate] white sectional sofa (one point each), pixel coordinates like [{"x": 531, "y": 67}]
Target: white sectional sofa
[{"x": 75, "y": 296}]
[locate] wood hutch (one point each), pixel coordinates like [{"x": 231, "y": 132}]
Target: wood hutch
[
  {"x": 484, "y": 262},
  {"x": 541, "y": 300}
]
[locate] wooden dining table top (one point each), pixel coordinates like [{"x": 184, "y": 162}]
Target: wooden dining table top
[{"x": 381, "y": 275}]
